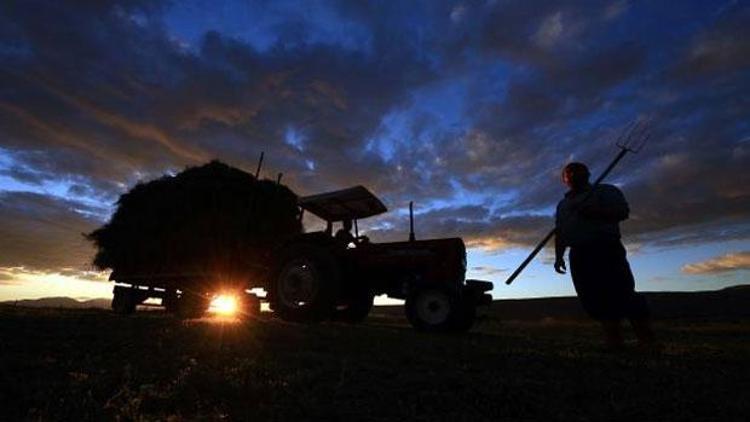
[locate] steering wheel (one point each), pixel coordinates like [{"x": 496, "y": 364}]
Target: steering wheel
[{"x": 362, "y": 240}]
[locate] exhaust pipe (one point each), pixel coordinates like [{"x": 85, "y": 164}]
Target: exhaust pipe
[
  {"x": 260, "y": 165},
  {"x": 411, "y": 221}
]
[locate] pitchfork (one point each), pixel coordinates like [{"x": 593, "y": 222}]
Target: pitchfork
[{"x": 632, "y": 139}]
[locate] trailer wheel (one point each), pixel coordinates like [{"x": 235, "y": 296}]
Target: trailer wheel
[
  {"x": 192, "y": 305},
  {"x": 250, "y": 307},
  {"x": 437, "y": 310},
  {"x": 170, "y": 301},
  {"x": 304, "y": 284},
  {"x": 356, "y": 308},
  {"x": 123, "y": 301}
]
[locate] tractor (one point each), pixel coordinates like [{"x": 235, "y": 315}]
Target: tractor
[{"x": 317, "y": 275}]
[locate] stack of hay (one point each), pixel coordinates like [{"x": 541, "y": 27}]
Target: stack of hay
[{"x": 209, "y": 219}]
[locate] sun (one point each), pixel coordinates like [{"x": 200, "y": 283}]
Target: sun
[{"x": 224, "y": 305}]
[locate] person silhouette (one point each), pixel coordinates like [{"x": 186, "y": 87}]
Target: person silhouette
[
  {"x": 587, "y": 221},
  {"x": 344, "y": 234}
]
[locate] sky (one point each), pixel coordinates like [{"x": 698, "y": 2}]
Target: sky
[{"x": 468, "y": 108}]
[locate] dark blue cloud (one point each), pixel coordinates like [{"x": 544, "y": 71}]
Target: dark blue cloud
[{"x": 470, "y": 108}]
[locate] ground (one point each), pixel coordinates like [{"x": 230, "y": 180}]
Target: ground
[{"x": 93, "y": 365}]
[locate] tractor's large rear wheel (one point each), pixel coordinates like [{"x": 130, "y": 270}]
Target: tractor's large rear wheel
[
  {"x": 304, "y": 285},
  {"x": 438, "y": 310}
]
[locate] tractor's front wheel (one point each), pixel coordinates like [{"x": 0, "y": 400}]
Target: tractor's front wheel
[{"x": 437, "y": 310}]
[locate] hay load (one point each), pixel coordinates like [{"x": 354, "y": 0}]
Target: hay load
[{"x": 212, "y": 219}]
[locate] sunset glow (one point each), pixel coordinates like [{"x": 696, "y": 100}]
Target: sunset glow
[{"x": 224, "y": 305}]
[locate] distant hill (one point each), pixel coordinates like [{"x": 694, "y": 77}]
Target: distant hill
[
  {"x": 731, "y": 302},
  {"x": 60, "y": 302}
]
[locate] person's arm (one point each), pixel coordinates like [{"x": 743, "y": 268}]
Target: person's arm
[
  {"x": 559, "y": 246},
  {"x": 607, "y": 204},
  {"x": 559, "y": 254}
]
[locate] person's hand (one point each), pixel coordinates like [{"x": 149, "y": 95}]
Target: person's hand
[{"x": 560, "y": 266}]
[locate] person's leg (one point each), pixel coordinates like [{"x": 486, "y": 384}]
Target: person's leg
[
  {"x": 643, "y": 331},
  {"x": 640, "y": 320},
  {"x": 613, "y": 338},
  {"x": 636, "y": 308},
  {"x": 586, "y": 272}
]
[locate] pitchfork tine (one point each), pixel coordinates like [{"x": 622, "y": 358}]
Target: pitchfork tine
[
  {"x": 625, "y": 135},
  {"x": 635, "y": 136},
  {"x": 643, "y": 136}
]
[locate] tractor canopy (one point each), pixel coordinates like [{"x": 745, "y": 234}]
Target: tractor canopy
[{"x": 346, "y": 204}]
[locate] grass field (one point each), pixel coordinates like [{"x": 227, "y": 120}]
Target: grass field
[{"x": 93, "y": 365}]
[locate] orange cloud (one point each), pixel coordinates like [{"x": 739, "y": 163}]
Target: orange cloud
[
  {"x": 720, "y": 264},
  {"x": 144, "y": 131}
]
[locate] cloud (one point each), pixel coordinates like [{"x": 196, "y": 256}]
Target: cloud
[
  {"x": 720, "y": 264},
  {"x": 550, "y": 31},
  {"x": 720, "y": 50},
  {"x": 489, "y": 271},
  {"x": 478, "y": 225},
  {"x": 16, "y": 276},
  {"x": 458, "y": 13},
  {"x": 150, "y": 105},
  {"x": 447, "y": 104},
  {"x": 8, "y": 277},
  {"x": 42, "y": 233},
  {"x": 615, "y": 10}
]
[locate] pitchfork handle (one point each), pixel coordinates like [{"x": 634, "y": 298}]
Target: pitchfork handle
[{"x": 531, "y": 256}]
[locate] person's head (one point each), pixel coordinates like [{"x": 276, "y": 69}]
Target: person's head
[
  {"x": 575, "y": 175},
  {"x": 347, "y": 224}
]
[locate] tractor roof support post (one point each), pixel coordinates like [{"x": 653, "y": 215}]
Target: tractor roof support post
[
  {"x": 260, "y": 165},
  {"x": 411, "y": 221}
]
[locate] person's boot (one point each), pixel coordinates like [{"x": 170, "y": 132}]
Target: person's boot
[{"x": 613, "y": 338}]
